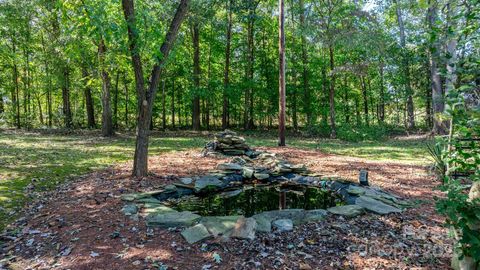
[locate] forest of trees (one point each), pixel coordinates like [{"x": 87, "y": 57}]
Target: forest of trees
[{"x": 353, "y": 63}]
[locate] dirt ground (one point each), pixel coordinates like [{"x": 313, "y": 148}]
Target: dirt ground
[{"x": 80, "y": 226}]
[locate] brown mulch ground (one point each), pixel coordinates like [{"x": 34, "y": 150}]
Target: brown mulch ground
[{"x": 80, "y": 226}]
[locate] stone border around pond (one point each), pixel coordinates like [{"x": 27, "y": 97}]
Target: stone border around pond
[{"x": 255, "y": 168}]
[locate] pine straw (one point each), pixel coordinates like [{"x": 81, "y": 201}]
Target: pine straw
[{"x": 84, "y": 213}]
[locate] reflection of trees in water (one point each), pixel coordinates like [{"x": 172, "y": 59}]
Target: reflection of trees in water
[{"x": 257, "y": 199}]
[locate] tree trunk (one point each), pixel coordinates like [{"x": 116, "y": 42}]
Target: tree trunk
[
  {"x": 125, "y": 84},
  {"x": 248, "y": 119},
  {"x": 381, "y": 112},
  {"x": 115, "y": 102},
  {"x": 88, "y": 100},
  {"x": 306, "y": 88},
  {"x": 164, "y": 112},
  {"x": 438, "y": 101},
  {"x": 226, "y": 78},
  {"x": 406, "y": 67},
  {"x": 196, "y": 76},
  {"x": 451, "y": 77},
  {"x": 173, "y": 102},
  {"x": 16, "y": 97},
  {"x": 146, "y": 98},
  {"x": 333, "y": 133},
  {"x": 67, "y": 113},
  {"x": 281, "y": 77},
  {"x": 107, "y": 125},
  {"x": 365, "y": 100}
]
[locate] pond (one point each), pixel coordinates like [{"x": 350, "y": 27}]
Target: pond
[{"x": 251, "y": 200}]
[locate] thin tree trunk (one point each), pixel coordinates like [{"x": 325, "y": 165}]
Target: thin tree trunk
[
  {"x": 40, "y": 112},
  {"x": 115, "y": 102},
  {"x": 333, "y": 133},
  {"x": 147, "y": 98},
  {"x": 410, "y": 107},
  {"x": 306, "y": 88},
  {"x": 173, "y": 102},
  {"x": 196, "y": 75},
  {"x": 281, "y": 77},
  {"x": 125, "y": 84},
  {"x": 67, "y": 113},
  {"x": 381, "y": 112},
  {"x": 15, "y": 96},
  {"x": 164, "y": 112},
  {"x": 438, "y": 101},
  {"x": 226, "y": 78},
  {"x": 88, "y": 100},
  {"x": 365, "y": 100},
  {"x": 107, "y": 125}
]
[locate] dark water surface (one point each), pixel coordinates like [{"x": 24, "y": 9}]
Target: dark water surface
[{"x": 252, "y": 200}]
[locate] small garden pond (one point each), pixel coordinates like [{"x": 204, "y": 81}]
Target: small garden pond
[{"x": 250, "y": 200}]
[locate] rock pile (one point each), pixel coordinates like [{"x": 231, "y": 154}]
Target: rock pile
[{"x": 229, "y": 143}]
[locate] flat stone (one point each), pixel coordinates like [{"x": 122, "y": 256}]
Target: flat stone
[
  {"x": 172, "y": 219},
  {"x": 206, "y": 181},
  {"x": 244, "y": 228},
  {"x": 239, "y": 161},
  {"x": 195, "y": 233},
  {"x": 170, "y": 188},
  {"x": 229, "y": 167},
  {"x": 376, "y": 206},
  {"x": 247, "y": 172},
  {"x": 356, "y": 190},
  {"x": 283, "y": 225},
  {"x": 148, "y": 200},
  {"x": 261, "y": 176},
  {"x": 263, "y": 224},
  {"x": 314, "y": 215},
  {"x": 218, "y": 225},
  {"x": 296, "y": 215},
  {"x": 232, "y": 178},
  {"x": 186, "y": 180},
  {"x": 129, "y": 209},
  {"x": 157, "y": 209},
  {"x": 347, "y": 210}
]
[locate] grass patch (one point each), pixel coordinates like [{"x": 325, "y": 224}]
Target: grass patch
[{"x": 51, "y": 159}]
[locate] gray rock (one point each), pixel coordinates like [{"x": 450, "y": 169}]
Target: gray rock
[
  {"x": 186, "y": 180},
  {"x": 196, "y": 233},
  {"x": 247, "y": 172},
  {"x": 170, "y": 188},
  {"x": 172, "y": 219},
  {"x": 296, "y": 215},
  {"x": 150, "y": 200},
  {"x": 218, "y": 225},
  {"x": 261, "y": 176},
  {"x": 355, "y": 190},
  {"x": 283, "y": 225},
  {"x": 239, "y": 160},
  {"x": 229, "y": 167},
  {"x": 263, "y": 224},
  {"x": 347, "y": 210},
  {"x": 206, "y": 181},
  {"x": 129, "y": 209},
  {"x": 157, "y": 209},
  {"x": 314, "y": 215},
  {"x": 376, "y": 206},
  {"x": 244, "y": 228}
]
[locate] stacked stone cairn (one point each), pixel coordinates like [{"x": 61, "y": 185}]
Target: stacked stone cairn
[
  {"x": 232, "y": 177},
  {"x": 229, "y": 143}
]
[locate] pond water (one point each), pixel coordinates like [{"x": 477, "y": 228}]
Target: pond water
[{"x": 255, "y": 199}]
